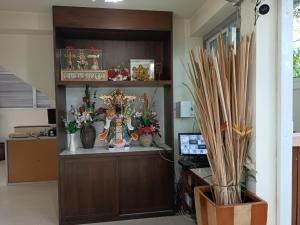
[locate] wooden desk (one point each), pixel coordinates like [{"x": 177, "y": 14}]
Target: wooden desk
[
  {"x": 32, "y": 160},
  {"x": 190, "y": 179}
]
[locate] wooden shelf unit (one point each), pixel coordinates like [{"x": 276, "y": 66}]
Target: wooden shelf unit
[
  {"x": 155, "y": 83},
  {"x": 122, "y": 35}
]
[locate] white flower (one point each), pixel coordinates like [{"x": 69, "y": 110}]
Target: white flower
[{"x": 138, "y": 114}]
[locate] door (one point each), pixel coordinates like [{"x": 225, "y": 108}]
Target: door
[
  {"x": 145, "y": 184},
  {"x": 88, "y": 188}
]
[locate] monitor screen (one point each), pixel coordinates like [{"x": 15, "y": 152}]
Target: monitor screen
[
  {"x": 51, "y": 116},
  {"x": 191, "y": 144}
]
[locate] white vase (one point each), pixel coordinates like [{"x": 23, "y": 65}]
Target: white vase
[
  {"x": 145, "y": 140},
  {"x": 72, "y": 145}
]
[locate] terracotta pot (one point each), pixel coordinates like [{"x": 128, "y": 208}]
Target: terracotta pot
[
  {"x": 88, "y": 136},
  {"x": 252, "y": 212},
  {"x": 146, "y": 140}
]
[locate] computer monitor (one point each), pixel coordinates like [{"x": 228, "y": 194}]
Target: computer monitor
[
  {"x": 51, "y": 116},
  {"x": 192, "y": 144}
]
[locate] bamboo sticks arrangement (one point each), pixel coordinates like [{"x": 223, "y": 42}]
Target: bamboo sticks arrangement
[{"x": 219, "y": 80}]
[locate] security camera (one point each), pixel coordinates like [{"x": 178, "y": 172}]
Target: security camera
[{"x": 260, "y": 9}]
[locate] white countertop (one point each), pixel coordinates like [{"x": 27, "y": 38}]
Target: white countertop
[
  {"x": 204, "y": 173},
  {"x": 31, "y": 138},
  {"x": 296, "y": 140},
  {"x": 104, "y": 149}
]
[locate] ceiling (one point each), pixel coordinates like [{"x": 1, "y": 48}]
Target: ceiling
[{"x": 181, "y": 8}]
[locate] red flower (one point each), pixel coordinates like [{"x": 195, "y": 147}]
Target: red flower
[
  {"x": 153, "y": 128},
  {"x": 140, "y": 131},
  {"x": 147, "y": 130},
  {"x": 102, "y": 110},
  {"x": 125, "y": 72},
  {"x": 85, "y": 99},
  {"x": 81, "y": 109},
  {"x": 111, "y": 73}
]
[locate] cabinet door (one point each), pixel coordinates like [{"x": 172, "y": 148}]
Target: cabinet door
[
  {"x": 32, "y": 160},
  {"x": 145, "y": 184},
  {"x": 88, "y": 188}
]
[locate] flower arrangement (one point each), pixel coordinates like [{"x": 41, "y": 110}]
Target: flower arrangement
[
  {"x": 86, "y": 114},
  {"x": 118, "y": 73},
  {"x": 147, "y": 119}
]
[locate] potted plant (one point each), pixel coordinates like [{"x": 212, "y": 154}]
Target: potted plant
[
  {"x": 147, "y": 123},
  {"x": 219, "y": 79},
  {"x": 85, "y": 116}
]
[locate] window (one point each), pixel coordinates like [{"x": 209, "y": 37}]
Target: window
[
  {"x": 296, "y": 39},
  {"x": 15, "y": 93},
  {"x": 229, "y": 29}
]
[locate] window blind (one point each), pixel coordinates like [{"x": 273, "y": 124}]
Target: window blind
[{"x": 15, "y": 93}]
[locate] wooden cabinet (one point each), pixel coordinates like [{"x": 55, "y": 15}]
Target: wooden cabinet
[
  {"x": 145, "y": 184},
  {"x": 97, "y": 188},
  {"x": 189, "y": 181},
  {"x": 89, "y": 189},
  {"x": 93, "y": 187},
  {"x": 296, "y": 187},
  {"x": 32, "y": 160}
]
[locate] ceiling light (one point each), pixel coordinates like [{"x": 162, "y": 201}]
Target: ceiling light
[{"x": 114, "y": 1}]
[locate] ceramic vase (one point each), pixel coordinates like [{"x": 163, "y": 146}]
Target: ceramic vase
[
  {"x": 72, "y": 146},
  {"x": 88, "y": 136},
  {"x": 146, "y": 140}
]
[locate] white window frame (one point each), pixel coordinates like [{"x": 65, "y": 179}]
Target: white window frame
[{"x": 285, "y": 112}]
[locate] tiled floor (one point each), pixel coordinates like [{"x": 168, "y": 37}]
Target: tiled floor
[
  {"x": 27, "y": 204},
  {"x": 36, "y": 204}
]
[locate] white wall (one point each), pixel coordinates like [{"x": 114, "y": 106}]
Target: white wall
[
  {"x": 182, "y": 42},
  {"x": 27, "y": 51},
  {"x": 266, "y": 108},
  {"x": 9, "y": 118},
  {"x": 27, "y": 48},
  {"x": 209, "y": 15}
]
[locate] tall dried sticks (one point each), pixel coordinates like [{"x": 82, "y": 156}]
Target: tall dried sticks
[{"x": 219, "y": 80}]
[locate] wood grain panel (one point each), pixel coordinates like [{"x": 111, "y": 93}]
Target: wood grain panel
[
  {"x": 89, "y": 188},
  {"x": 98, "y": 18},
  {"x": 294, "y": 186},
  {"x": 119, "y": 52},
  {"x": 32, "y": 160},
  {"x": 145, "y": 184},
  {"x": 298, "y": 187}
]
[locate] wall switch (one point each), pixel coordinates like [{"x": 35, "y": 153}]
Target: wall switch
[{"x": 185, "y": 109}]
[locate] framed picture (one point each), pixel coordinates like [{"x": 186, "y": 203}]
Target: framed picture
[{"x": 142, "y": 69}]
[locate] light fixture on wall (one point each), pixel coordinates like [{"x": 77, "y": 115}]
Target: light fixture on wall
[{"x": 260, "y": 9}]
